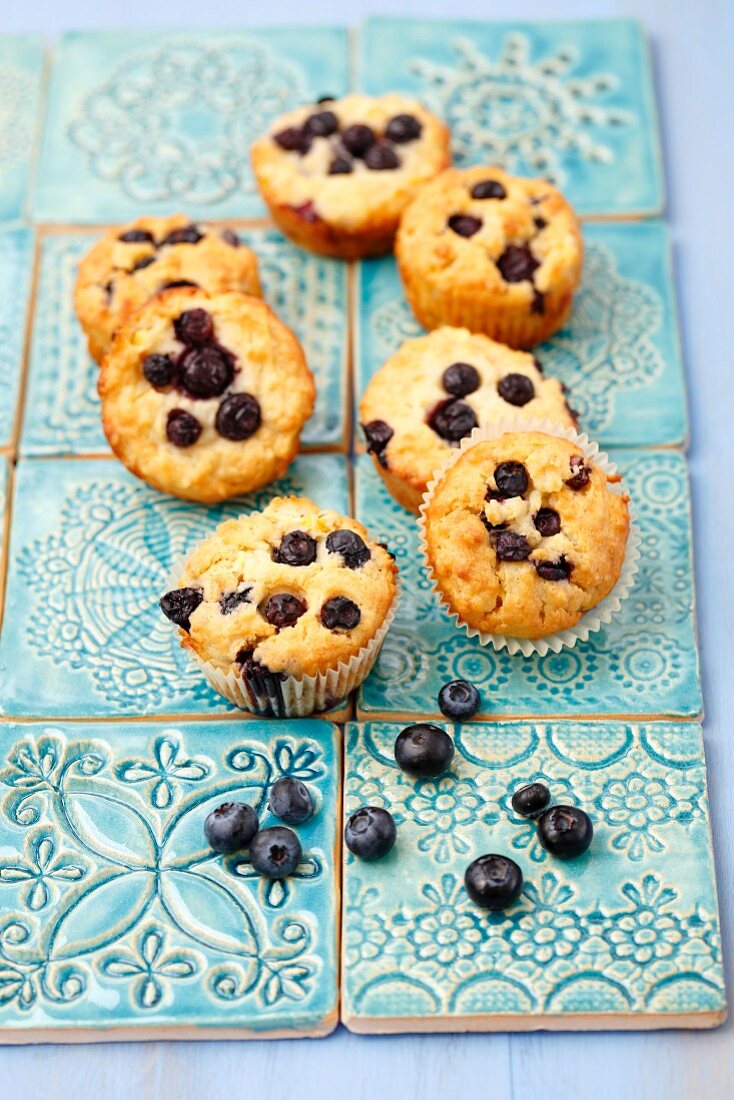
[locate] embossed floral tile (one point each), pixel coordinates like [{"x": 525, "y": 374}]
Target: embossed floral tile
[
  {"x": 619, "y": 354},
  {"x": 102, "y": 820},
  {"x": 16, "y": 263},
  {"x": 149, "y": 122},
  {"x": 626, "y": 936},
  {"x": 62, "y": 410},
  {"x": 91, "y": 549},
  {"x": 570, "y": 101},
  {"x": 21, "y": 77},
  {"x": 645, "y": 662}
]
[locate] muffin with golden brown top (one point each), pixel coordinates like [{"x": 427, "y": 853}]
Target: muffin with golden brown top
[
  {"x": 204, "y": 396},
  {"x": 337, "y": 176},
  {"x": 291, "y": 593},
  {"x": 435, "y": 390},
  {"x": 524, "y": 535},
  {"x": 133, "y": 262},
  {"x": 495, "y": 253}
]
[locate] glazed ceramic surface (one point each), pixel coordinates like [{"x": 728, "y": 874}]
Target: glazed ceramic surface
[
  {"x": 21, "y": 75},
  {"x": 630, "y": 929},
  {"x": 16, "y": 259}
]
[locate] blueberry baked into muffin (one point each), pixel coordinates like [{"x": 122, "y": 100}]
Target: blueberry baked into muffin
[
  {"x": 280, "y": 595},
  {"x": 494, "y": 253},
  {"x": 524, "y": 535},
  {"x": 204, "y": 396},
  {"x": 133, "y": 262},
  {"x": 337, "y": 175},
  {"x": 435, "y": 390}
]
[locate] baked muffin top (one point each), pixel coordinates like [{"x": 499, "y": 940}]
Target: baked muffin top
[
  {"x": 524, "y": 535},
  {"x": 437, "y": 388},
  {"x": 133, "y": 262},
  {"x": 294, "y": 588}
]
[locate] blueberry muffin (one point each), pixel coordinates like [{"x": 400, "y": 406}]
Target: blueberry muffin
[
  {"x": 290, "y": 592},
  {"x": 133, "y": 262},
  {"x": 524, "y": 535},
  {"x": 435, "y": 390},
  {"x": 337, "y": 175},
  {"x": 495, "y": 253},
  {"x": 204, "y": 396}
]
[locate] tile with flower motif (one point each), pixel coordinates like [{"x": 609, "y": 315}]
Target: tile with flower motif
[
  {"x": 90, "y": 551},
  {"x": 16, "y": 264},
  {"x": 148, "y": 122},
  {"x": 625, "y": 936},
  {"x": 645, "y": 662},
  {"x": 572, "y": 102},
  {"x": 619, "y": 354},
  {"x": 117, "y": 920},
  {"x": 21, "y": 78},
  {"x": 62, "y": 411}
]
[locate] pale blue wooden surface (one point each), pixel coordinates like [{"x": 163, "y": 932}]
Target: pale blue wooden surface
[{"x": 693, "y": 48}]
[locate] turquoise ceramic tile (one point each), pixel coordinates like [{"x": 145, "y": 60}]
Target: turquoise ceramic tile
[
  {"x": 16, "y": 263},
  {"x": 114, "y": 914},
  {"x": 146, "y": 121},
  {"x": 626, "y": 936},
  {"x": 571, "y": 101},
  {"x": 619, "y": 354},
  {"x": 645, "y": 662},
  {"x": 90, "y": 552},
  {"x": 62, "y": 411},
  {"x": 21, "y": 78}
]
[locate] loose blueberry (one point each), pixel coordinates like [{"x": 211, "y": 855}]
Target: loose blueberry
[
  {"x": 547, "y": 521},
  {"x": 554, "y": 570},
  {"x": 423, "y": 750},
  {"x": 403, "y": 128},
  {"x": 511, "y": 479},
  {"x": 159, "y": 370},
  {"x": 511, "y": 546},
  {"x": 231, "y": 827},
  {"x": 194, "y": 327},
  {"x": 136, "y": 236},
  {"x": 370, "y": 833},
  {"x": 516, "y": 389},
  {"x": 378, "y": 434},
  {"x": 464, "y": 224},
  {"x": 340, "y": 166},
  {"x": 290, "y": 800},
  {"x": 453, "y": 420},
  {"x": 275, "y": 852},
  {"x": 238, "y": 416},
  {"x": 517, "y": 263},
  {"x": 532, "y": 800},
  {"x": 339, "y": 613},
  {"x": 357, "y": 139},
  {"x": 458, "y": 699},
  {"x": 205, "y": 372},
  {"x": 230, "y": 601},
  {"x": 381, "y": 157},
  {"x": 323, "y": 124},
  {"x": 184, "y": 234},
  {"x": 460, "y": 379},
  {"x": 349, "y": 546},
  {"x": 580, "y": 473},
  {"x": 283, "y": 609},
  {"x": 565, "y": 831},
  {"x": 182, "y": 429},
  {"x": 488, "y": 189},
  {"x": 296, "y": 548},
  {"x": 179, "y": 604},
  {"x": 293, "y": 139},
  {"x": 493, "y": 881}
]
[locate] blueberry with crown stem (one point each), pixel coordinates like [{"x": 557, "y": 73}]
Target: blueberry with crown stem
[
  {"x": 370, "y": 832},
  {"x": 275, "y": 852},
  {"x": 290, "y": 800},
  {"x": 493, "y": 881},
  {"x": 423, "y": 750},
  {"x": 231, "y": 827},
  {"x": 565, "y": 831}
]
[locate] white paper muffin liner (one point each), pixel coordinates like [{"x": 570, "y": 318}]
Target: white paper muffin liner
[
  {"x": 281, "y": 696},
  {"x": 593, "y": 619}
]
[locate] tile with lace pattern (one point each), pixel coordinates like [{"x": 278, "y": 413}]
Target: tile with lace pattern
[
  {"x": 570, "y": 101},
  {"x": 21, "y": 79},
  {"x": 619, "y": 354},
  {"x": 146, "y": 122},
  {"x": 90, "y": 553},
  {"x": 625, "y": 936},
  {"x": 16, "y": 263},
  {"x": 108, "y": 819},
  {"x": 62, "y": 412},
  {"x": 644, "y": 662}
]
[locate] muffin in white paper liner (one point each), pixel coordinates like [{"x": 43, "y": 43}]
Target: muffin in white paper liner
[
  {"x": 593, "y": 619},
  {"x": 272, "y": 694}
]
